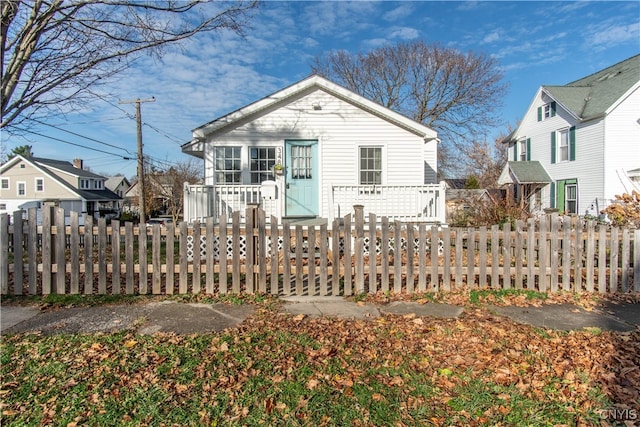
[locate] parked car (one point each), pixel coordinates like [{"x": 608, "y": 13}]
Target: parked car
[{"x": 162, "y": 221}]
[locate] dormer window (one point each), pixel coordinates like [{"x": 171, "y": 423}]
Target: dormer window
[
  {"x": 84, "y": 184},
  {"x": 546, "y": 111}
]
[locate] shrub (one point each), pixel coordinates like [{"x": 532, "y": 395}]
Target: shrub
[{"x": 625, "y": 210}]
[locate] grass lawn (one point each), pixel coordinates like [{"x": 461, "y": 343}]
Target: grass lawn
[{"x": 279, "y": 369}]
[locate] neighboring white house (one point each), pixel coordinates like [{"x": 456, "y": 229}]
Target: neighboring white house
[
  {"x": 586, "y": 137},
  {"x": 33, "y": 182},
  {"x": 119, "y": 185},
  {"x": 336, "y": 149}
]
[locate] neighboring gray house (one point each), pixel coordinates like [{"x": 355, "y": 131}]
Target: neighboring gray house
[
  {"x": 27, "y": 182},
  {"x": 119, "y": 185},
  {"x": 314, "y": 150},
  {"x": 585, "y": 136}
]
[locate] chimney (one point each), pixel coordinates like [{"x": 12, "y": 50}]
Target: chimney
[{"x": 78, "y": 163}]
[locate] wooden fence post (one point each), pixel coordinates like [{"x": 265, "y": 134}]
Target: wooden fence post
[
  {"x": 4, "y": 253},
  {"x": 60, "y": 252},
  {"x": 88, "y": 255}
]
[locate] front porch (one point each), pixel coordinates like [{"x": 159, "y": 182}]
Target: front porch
[{"x": 411, "y": 203}]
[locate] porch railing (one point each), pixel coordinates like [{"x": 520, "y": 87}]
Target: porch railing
[{"x": 409, "y": 203}]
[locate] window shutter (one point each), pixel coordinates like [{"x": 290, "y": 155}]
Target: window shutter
[
  {"x": 572, "y": 143},
  {"x": 515, "y": 152},
  {"x": 560, "y": 197},
  {"x": 553, "y": 147},
  {"x": 552, "y": 199},
  {"x": 553, "y": 109},
  {"x": 539, "y": 114},
  {"x": 528, "y": 148}
]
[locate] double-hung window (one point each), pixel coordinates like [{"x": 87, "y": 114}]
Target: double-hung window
[
  {"x": 4, "y": 183},
  {"x": 522, "y": 155},
  {"x": 21, "y": 188},
  {"x": 261, "y": 161},
  {"x": 370, "y": 165},
  {"x": 563, "y": 145},
  {"x": 546, "y": 111},
  {"x": 227, "y": 165},
  {"x": 39, "y": 185},
  {"x": 571, "y": 198}
]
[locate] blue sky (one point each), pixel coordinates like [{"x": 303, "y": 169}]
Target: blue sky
[{"x": 535, "y": 43}]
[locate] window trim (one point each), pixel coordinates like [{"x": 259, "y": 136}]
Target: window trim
[
  {"x": 547, "y": 111},
  {"x": 567, "y": 200},
  {"x": 217, "y": 171},
  {"x": 2, "y": 181},
  {"x": 22, "y": 184},
  {"x": 85, "y": 184},
  {"x": 359, "y": 166},
  {"x": 36, "y": 181},
  {"x": 270, "y": 161}
]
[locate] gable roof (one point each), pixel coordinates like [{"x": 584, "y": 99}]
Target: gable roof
[
  {"x": 114, "y": 181},
  {"x": 529, "y": 172},
  {"x": 289, "y": 93},
  {"x": 49, "y": 167},
  {"x": 593, "y": 95}
]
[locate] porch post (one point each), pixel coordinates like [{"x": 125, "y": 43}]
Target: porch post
[{"x": 442, "y": 203}]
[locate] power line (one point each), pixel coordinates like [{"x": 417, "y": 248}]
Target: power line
[
  {"x": 83, "y": 136},
  {"x": 74, "y": 144}
]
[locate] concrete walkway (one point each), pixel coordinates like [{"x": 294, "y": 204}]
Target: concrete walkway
[{"x": 182, "y": 318}]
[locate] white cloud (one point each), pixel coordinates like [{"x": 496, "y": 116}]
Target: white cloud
[
  {"x": 491, "y": 37},
  {"x": 614, "y": 34},
  {"x": 402, "y": 11},
  {"x": 404, "y": 33}
]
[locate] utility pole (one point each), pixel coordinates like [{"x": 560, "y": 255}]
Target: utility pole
[{"x": 141, "y": 187}]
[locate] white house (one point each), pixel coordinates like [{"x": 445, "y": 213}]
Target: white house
[
  {"x": 314, "y": 150},
  {"x": 585, "y": 136},
  {"x": 33, "y": 182}
]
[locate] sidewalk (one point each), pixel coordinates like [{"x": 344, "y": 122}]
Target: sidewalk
[{"x": 182, "y": 318}]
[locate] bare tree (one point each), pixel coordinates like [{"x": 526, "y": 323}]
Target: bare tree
[
  {"x": 54, "y": 52},
  {"x": 167, "y": 187},
  {"x": 457, "y": 94},
  {"x": 485, "y": 161}
]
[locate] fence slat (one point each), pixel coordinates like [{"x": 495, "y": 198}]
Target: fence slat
[
  {"x": 235, "y": 253},
  {"x": 275, "y": 257},
  {"x": 143, "y": 286},
  {"x": 482, "y": 250},
  {"x": 506, "y": 255},
  {"x": 446, "y": 279},
  {"x": 422, "y": 257},
  {"x": 196, "y": 277},
  {"x": 156, "y": 273},
  {"x": 519, "y": 256},
  {"x": 471, "y": 257},
  {"x": 590, "y": 251},
  {"x": 4, "y": 253},
  {"x": 128, "y": 257},
  {"x": 495, "y": 257},
  {"x": 286, "y": 259},
  {"x": 88, "y": 255},
  {"x": 18, "y": 255},
  {"x": 373, "y": 253},
  {"x": 410, "y": 281},
  {"x": 311, "y": 260},
  {"x": 324, "y": 257},
  {"x": 384, "y": 254},
  {"x": 348, "y": 262},
  {"x": 74, "y": 241},
  {"x": 60, "y": 252},
  {"x": 435, "y": 244},
  {"x": 299, "y": 260},
  {"x": 553, "y": 253},
  {"x": 32, "y": 250},
  {"x": 577, "y": 272},
  {"x": 459, "y": 250},
  {"x": 209, "y": 255},
  {"x": 566, "y": 257},
  {"x": 183, "y": 275},
  {"x": 397, "y": 257},
  {"x": 170, "y": 259},
  {"x": 625, "y": 259},
  {"x": 531, "y": 253},
  {"x": 115, "y": 257},
  {"x": 542, "y": 255},
  {"x": 250, "y": 249},
  {"x": 335, "y": 257},
  {"x": 602, "y": 259},
  {"x": 223, "y": 245},
  {"x": 262, "y": 251}
]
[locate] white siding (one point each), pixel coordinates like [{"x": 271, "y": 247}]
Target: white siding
[
  {"x": 622, "y": 136},
  {"x": 340, "y": 129}
]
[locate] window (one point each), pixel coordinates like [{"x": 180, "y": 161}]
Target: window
[
  {"x": 546, "y": 111},
  {"x": 227, "y": 165},
  {"x": 522, "y": 149},
  {"x": 39, "y": 185},
  {"x": 3, "y": 206},
  {"x": 571, "y": 199},
  {"x": 261, "y": 162},
  {"x": 563, "y": 145},
  {"x": 22, "y": 188},
  {"x": 4, "y": 183},
  {"x": 370, "y": 165},
  {"x": 84, "y": 184},
  {"x": 301, "y": 162},
  {"x": 97, "y": 185}
]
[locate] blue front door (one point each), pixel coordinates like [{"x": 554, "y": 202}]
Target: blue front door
[{"x": 301, "y": 186}]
